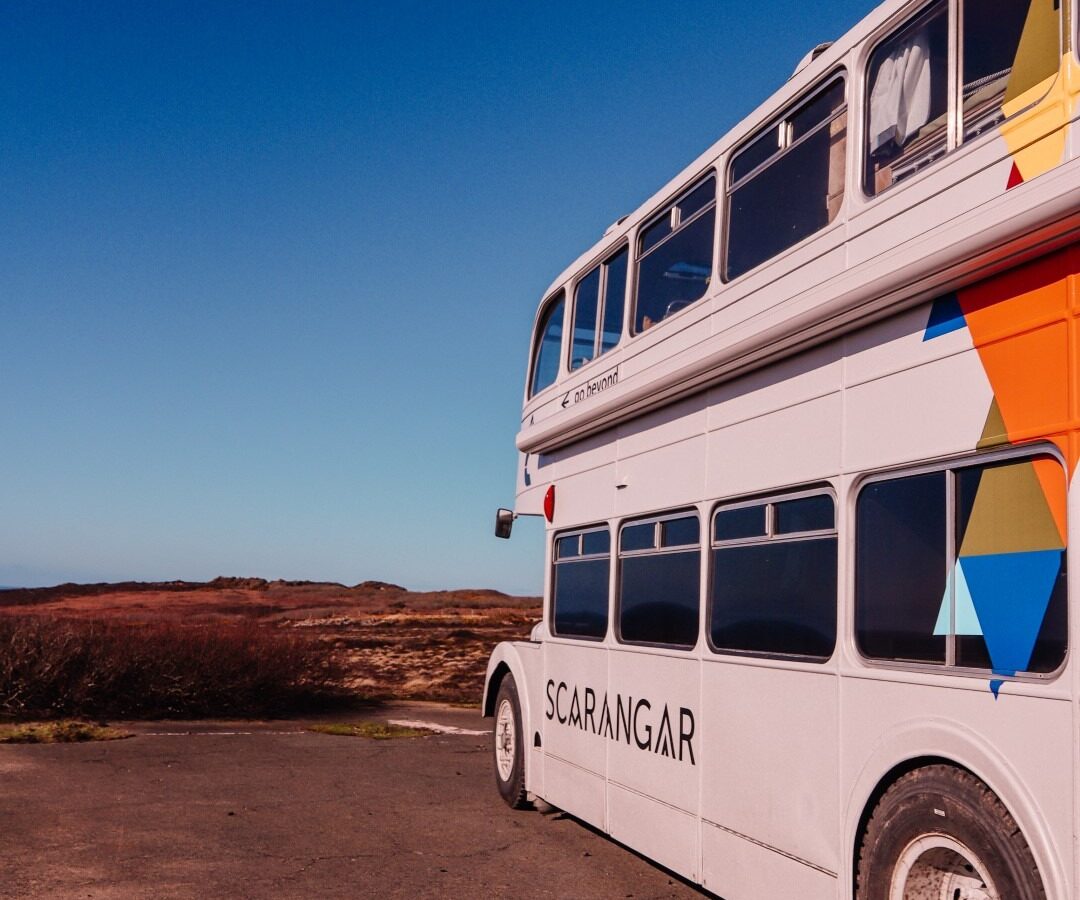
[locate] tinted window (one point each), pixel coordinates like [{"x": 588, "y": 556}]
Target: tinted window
[
  {"x": 804, "y": 514},
  {"x": 674, "y": 266},
  {"x": 908, "y": 99},
  {"x": 548, "y": 346},
  {"x": 1008, "y": 577},
  {"x": 1009, "y": 47},
  {"x": 658, "y": 598},
  {"x": 659, "y": 591},
  {"x": 586, "y": 306},
  {"x": 774, "y": 592},
  {"x": 741, "y": 522},
  {"x": 580, "y": 587},
  {"x": 595, "y": 542},
  {"x": 614, "y": 299},
  {"x": 568, "y": 546},
  {"x": 796, "y": 191},
  {"x": 638, "y": 537},
  {"x": 676, "y": 532},
  {"x": 775, "y": 597},
  {"x": 999, "y": 602},
  {"x": 900, "y": 568}
]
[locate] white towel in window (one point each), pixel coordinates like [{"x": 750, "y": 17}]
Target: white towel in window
[{"x": 900, "y": 99}]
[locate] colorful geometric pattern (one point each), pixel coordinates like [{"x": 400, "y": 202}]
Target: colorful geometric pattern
[{"x": 1011, "y": 524}]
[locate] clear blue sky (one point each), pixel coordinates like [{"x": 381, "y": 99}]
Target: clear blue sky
[{"x": 268, "y": 270}]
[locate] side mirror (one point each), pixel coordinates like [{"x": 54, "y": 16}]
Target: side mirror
[{"x": 504, "y": 523}]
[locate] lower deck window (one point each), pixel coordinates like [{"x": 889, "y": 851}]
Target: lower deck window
[
  {"x": 659, "y": 581},
  {"x": 580, "y": 590},
  {"x": 964, "y": 567},
  {"x": 774, "y": 578}
]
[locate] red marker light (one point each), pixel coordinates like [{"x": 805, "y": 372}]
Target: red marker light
[{"x": 549, "y": 504}]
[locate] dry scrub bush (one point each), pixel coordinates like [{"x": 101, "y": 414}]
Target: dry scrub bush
[{"x": 64, "y": 667}]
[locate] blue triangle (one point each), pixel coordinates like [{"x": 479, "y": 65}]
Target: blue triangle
[
  {"x": 995, "y": 686},
  {"x": 1011, "y": 592},
  {"x": 945, "y": 316}
]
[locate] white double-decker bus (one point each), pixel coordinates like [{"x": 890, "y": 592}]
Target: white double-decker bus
[{"x": 804, "y": 429}]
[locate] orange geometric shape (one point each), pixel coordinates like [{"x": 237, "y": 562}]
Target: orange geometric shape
[
  {"x": 1019, "y": 325},
  {"x": 1052, "y": 480}
]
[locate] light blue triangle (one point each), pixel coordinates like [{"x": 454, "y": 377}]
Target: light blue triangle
[
  {"x": 967, "y": 620},
  {"x": 1011, "y": 592}
]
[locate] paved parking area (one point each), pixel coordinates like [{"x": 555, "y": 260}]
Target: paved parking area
[{"x": 271, "y": 810}]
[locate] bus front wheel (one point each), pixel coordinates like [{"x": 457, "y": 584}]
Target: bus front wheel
[
  {"x": 940, "y": 832},
  {"x": 509, "y": 745}
]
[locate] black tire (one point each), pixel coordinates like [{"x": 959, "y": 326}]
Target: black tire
[
  {"x": 508, "y": 747},
  {"x": 964, "y": 833}
]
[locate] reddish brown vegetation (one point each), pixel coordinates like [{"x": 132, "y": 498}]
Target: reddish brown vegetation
[
  {"x": 60, "y": 667},
  {"x": 375, "y": 640}
]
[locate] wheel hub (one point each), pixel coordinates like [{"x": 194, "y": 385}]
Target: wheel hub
[
  {"x": 505, "y": 740},
  {"x": 938, "y": 867}
]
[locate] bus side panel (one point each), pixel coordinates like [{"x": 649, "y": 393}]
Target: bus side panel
[
  {"x": 655, "y": 756},
  {"x": 575, "y": 758},
  {"x": 662, "y": 833},
  {"x": 738, "y": 869},
  {"x": 769, "y": 771}
]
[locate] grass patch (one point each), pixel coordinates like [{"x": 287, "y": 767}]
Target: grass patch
[
  {"x": 65, "y": 732},
  {"x": 54, "y": 668},
  {"x": 379, "y": 731}
]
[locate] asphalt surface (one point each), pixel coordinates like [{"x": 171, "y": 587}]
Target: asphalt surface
[{"x": 247, "y": 809}]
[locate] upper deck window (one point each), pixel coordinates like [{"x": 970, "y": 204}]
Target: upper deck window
[
  {"x": 1008, "y": 51},
  {"x": 788, "y": 182},
  {"x": 675, "y": 256},
  {"x": 548, "y": 346},
  {"x": 598, "y": 310}
]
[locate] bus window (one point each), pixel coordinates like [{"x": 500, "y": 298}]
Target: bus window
[
  {"x": 908, "y": 99},
  {"x": 659, "y": 580},
  {"x": 598, "y": 325},
  {"x": 774, "y": 588},
  {"x": 900, "y": 568},
  {"x": 1009, "y": 48},
  {"x": 586, "y": 306},
  {"x": 965, "y": 567},
  {"x": 788, "y": 182},
  {"x": 675, "y": 256},
  {"x": 580, "y": 584},
  {"x": 545, "y": 368},
  {"x": 614, "y": 299}
]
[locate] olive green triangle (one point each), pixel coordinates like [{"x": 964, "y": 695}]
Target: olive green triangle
[
  {"x": 1010, "y": 513},
  {"x": 1038, "y": 56},
  {"x": 994, "y": 432}
]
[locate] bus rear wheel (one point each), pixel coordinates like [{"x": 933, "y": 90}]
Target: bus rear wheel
[
  {"x": 940, "y": 832},
  {"x": 509, "y": 745}
]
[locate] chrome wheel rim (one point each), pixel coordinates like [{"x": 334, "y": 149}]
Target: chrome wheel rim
[
  {"x": 938, "y": 867},
  {"x": 505, "y": 740}
]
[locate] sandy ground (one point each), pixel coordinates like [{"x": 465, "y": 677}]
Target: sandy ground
[{"x": 241, "y": 809}]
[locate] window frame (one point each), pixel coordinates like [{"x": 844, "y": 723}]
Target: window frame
[
  {"x": 635, "y": 256},
  {"x": 538, "y": 337},
  {"x": 579, "y": 533},
  {"x": 770, "y": 536},
  {"x": 656, "y": 550},
  {"x": 603, "y": 264},
  {"x": 954, "y": 127},
  {"x": 793, "y": 107},
  {"x": 951, "y": 465}
]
